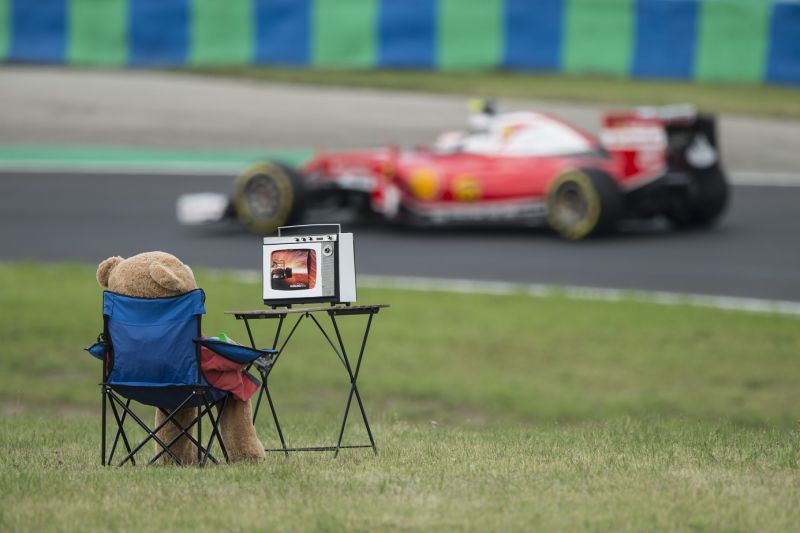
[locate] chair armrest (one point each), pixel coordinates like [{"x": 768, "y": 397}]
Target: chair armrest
[
  {"x": 234, "y": 352},
  {"x": 97, "y": 350}
]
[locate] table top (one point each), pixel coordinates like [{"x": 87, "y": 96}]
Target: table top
[{"x": 331, "y": 309}]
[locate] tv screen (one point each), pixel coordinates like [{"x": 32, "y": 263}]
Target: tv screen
[{"x": 293, "y": 270}]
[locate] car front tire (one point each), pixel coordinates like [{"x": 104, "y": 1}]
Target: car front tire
[{"x": 268, "y": 195}]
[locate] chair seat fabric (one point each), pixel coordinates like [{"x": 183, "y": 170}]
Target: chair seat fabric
[{"x": 166, "y": 396}]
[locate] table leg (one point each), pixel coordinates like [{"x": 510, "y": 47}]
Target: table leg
[
  {"x": 250, "y": 334},
  {"x": 352, "y": 373},
  {"x": 265, "y": 375},
  {"x": 353, "y": 383},
  {"x": 275, "y": 418}
]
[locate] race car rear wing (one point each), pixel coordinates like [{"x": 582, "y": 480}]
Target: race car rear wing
[{"x": 651, "y": 141}]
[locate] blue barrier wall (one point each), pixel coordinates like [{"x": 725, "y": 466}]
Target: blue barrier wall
[{"x": 707, "y": 40}]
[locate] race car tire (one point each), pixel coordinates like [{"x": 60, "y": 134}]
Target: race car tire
[
  {"x": 704, "y": 204},
  {"x": 268, "y": 195},
  {"x": 582, "y": 203}
]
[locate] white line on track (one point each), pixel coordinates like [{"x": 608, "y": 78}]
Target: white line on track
[
  {"x": 772, "y": 179},
  {"x": 537, "y": 290},
  {"x": 188, "y": 169}
]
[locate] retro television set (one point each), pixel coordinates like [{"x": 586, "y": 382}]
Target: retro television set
[{"x": 309, "y": 264}]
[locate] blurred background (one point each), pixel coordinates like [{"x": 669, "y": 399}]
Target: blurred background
[{"x": 145, "y": 100}]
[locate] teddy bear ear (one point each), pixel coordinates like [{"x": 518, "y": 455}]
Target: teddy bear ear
[
  {"x": 191, "y": 272},
  {"x": 167, "y": 278},
  {"x": 105, "y": 268}
]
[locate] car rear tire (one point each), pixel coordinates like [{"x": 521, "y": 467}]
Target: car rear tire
[
  {"x": 705, "y": 202},
  {"x": 268, "y": 195},
  {"x": 582, "y": 203}
]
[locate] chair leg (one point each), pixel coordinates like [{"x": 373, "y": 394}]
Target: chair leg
[
  {"x": 185, "y": 445},
  {"x": 151, "y": 434},
  {"x": 183, "y": 433},
  {"x": 204, "y": 452},
  {"x": 215, "y": 429},
  {"x": 120, "y": 427},
  {"x": 103, "y": 428},
  {"x": 200, "y": 460},
  {"x": 120, "y": 430}
]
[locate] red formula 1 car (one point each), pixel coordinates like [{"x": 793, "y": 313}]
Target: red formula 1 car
[{"x": 522, "y": 167}]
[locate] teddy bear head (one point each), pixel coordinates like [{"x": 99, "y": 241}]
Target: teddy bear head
[{"x": 147, "y": 275}]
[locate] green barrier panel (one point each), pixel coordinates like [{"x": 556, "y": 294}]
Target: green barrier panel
[
  {"x": 471, "y": 33},
  {"x": 61, "y": 157},
  {"x": 720, "y": 40},
  {"x": 5, "y": 28},
  {"x": 97, "y": 32},
  {"x": 598, "y": 36},
  {"x": 344, "y": 33},
  {"x": 732, "y": 40},
  {"x": 222, "y": 32}
]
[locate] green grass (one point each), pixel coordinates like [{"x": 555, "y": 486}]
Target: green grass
[
  {"x": 640, "y": 475},
  {"x": 490, "y": 412},
  {"x": 771, "y": 100}
]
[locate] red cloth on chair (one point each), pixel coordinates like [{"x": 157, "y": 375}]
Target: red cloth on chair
[{"x": 227, "y": 375}]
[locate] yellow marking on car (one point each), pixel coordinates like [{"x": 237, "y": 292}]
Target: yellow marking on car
[
  {"x": 424, "y": 183},
  {"x": 466, "y": 188}
]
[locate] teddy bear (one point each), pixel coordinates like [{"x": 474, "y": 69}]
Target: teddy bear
[{"x": 159, "y": 274}]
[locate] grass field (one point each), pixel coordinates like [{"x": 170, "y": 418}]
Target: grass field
[
  {"x": 490, "y": 412},
  {"x": 728, "y": 98}
]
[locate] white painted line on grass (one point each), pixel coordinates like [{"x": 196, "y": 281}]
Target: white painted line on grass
[
  {"x": 541, "y": 290},
  {"x": 753, "y": 305}
]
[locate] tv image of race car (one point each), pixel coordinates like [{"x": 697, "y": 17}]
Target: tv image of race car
[
  {"x": 522, "y": 168},
  {"x": 293, "y": 270}
]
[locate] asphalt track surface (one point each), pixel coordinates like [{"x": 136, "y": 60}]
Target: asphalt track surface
[{"x": 753, "y": 252}]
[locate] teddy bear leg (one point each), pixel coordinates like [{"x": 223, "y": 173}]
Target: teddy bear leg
[
  {"x": 183, "y": 448},
  {"x": 238, "y": 432}
]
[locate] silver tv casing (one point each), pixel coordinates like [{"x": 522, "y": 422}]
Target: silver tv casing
[{"x": 344, "y": 290}]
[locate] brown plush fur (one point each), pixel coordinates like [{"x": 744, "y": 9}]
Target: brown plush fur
[{"x": 159, "y": 274}]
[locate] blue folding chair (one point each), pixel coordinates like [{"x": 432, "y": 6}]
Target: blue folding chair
[{"x": 150, "y": 348}]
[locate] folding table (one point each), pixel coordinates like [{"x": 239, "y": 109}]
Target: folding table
[{"x": 339, "y": 349}]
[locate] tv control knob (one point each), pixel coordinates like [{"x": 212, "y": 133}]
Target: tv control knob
[{"x": 327, "y": 250}]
